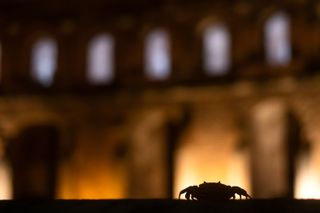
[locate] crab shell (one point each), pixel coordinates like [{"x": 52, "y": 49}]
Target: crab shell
[{"x": 213, "y": 191}]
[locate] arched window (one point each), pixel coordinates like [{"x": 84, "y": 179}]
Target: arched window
[
  {"x": 157, "y": 55},
  {"x": 216, "y": 47},
  {"x": 277, "y": 40},
  {"x": 44, "y": 61},
  {"x": 100, "y": 64}
]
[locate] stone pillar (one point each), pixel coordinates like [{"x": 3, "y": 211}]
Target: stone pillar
[
  {"x": 148, "y": 158},
  {"x": 269, "y": 153}
]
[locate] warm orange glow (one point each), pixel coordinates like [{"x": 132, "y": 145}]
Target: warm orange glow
[
  {"x": 209, "y": 154},
  {"x": 5, "y": 181},
  {"x": 5, "y": 176},
  {"x": 307, "y": 187},
  {"x": 307, "y": 181},
  {"x": 94, "y": 184},
  {"x": 93, "y": 172}
]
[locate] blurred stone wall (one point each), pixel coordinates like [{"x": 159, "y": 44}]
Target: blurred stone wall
[{"x": 114, "y": 138}]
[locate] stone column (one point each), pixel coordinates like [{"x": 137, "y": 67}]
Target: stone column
[
  {"x": 268, "y": 150},
  {"x": 148, "y": 157}
]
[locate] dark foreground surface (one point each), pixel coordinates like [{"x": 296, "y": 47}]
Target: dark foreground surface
[{"x": 155, "y": 206}]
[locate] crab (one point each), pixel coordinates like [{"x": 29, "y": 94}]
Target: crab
[{"x": 213, "y": 191}]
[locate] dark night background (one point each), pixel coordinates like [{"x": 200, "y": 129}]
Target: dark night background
[{"x": 119, "y": 100}]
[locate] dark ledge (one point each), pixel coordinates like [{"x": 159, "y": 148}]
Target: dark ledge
[{"x": 158, "y": 206}]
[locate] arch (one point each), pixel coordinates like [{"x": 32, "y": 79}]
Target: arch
[
  {"x": 157, "y": 55},
  {"x": 44, "y": 61},
  {"x": 100, "y": 59},
  {"x": 216, "y": 49},
  {"x": 277, "y": 39},
  {"x": 213, "y": 154}
]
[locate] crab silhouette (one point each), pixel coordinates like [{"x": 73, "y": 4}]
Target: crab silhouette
[{"x": 213, "y": 191}]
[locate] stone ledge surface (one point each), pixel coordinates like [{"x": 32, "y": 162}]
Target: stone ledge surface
[{"x": 159, "y": 206}]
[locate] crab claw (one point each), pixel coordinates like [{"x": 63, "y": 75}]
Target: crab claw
[
  {"x": 181, "y": 192},
  {"x": 188, "y": 191},
  {"x": 184, "y": 191},
  {"x": 241, "y": 192}
]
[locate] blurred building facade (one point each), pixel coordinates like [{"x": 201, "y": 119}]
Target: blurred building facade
[{"x": 139, "y": 99}]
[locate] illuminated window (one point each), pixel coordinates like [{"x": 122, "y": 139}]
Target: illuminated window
[
  {"x": 100, "y": 59},
  {"x": 216, "y": 42},
  {"x": 157, "y": 55},
  {"x": 277, "y": 40},
  {"x": 44, "y": 61}
]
